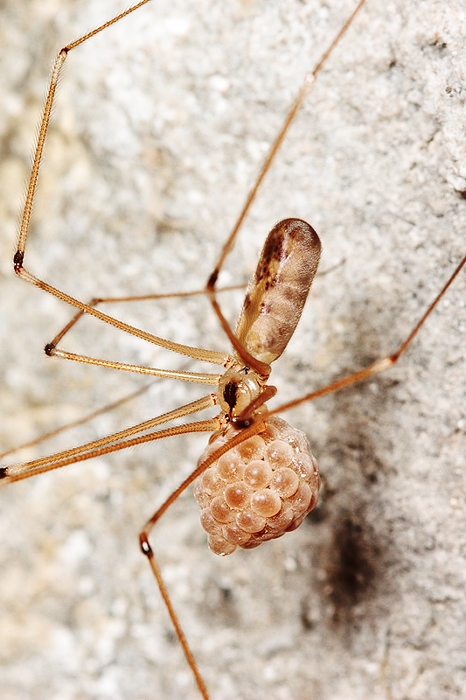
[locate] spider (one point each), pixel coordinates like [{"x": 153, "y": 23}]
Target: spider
[{"x": 298, "y": 366}]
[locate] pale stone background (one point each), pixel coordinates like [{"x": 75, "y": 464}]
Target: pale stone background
[{"x": 161, "y": 125}]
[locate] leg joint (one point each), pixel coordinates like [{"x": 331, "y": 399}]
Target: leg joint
[
  {"x": 18, "y": 261},
  {"x": 146, "y": 549}
]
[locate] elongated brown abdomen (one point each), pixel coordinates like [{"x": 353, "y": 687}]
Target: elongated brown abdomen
[{"x": 278, "y": 289}]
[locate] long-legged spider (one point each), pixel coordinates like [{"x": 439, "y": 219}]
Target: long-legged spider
[{"x": 410, "y": 237}]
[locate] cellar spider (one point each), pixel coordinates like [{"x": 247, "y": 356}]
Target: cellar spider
[{"x": 423, "y": 414}]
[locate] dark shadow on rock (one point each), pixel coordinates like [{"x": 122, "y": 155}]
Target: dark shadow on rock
[
  {"x": 353, "y": 567},
  {"x": 350, "y": 545}
]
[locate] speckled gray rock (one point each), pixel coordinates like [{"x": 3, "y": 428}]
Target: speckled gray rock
[{"x": 160, "y": 127}]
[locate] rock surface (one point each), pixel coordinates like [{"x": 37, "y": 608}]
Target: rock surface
[{"x": 160, "y": 126}]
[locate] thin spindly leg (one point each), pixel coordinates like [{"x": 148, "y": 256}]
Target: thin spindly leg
[
  {"x": 52, "y": 350},
  {"x": 196, "y": 377},
  {"x": 195, "y": 353},
  {"x": 379, "y": 365},
  {"x": 79, "y": 421},
  {"x": 289, "y": 119},
  {"x": 96, "y": 301},
  {"x": 21, "y": 271},
  {"x": 374, "y": 368},
  {"x": 115, "y": 442},
  {"x": 147, "y": 550},
  {"x": 19, "y": 257}
]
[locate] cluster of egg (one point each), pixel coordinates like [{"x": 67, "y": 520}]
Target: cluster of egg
[{"x": 258, "y": 490}]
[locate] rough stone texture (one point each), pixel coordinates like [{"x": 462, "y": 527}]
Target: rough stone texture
[{"x": 160, "y": 126}]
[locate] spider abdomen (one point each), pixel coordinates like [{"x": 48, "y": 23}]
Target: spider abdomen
[{"x": 278, "y": 289}]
